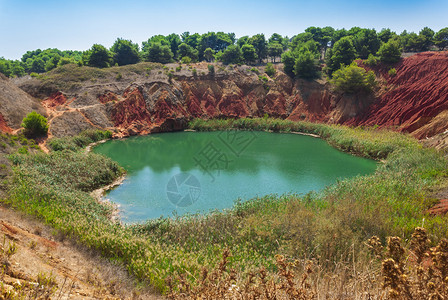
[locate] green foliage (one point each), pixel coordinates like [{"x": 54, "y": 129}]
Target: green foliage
[
  {"x": 211, "y": 69},
  {"x": 209, "y": 54},
  {"x": 37, "y": 65},
  {"x": 386, "y": 34},
  {"x": 35, "y": 125},
  {"x": 392, "y": 72},
  {"x": 249, "y": 53},
  {"x": 125, "y": 52},
  {"x": 275, "y": 49},
  {"x": 270, "y": 70},
  {"x": 186, "y": 50},
  {"x": 366, "y": 42},
  {"x": 80, "y": 141},
  {"x": 343, "y": 53},
  {"x": 255, "y": 70},
  {"x": 98, "y": 56},
  {"x": 390, "y": 52},
  {"x": 288, "y": 61},
  {"x": 186, "y": 60},
  {"x": 260, "y": 45},
  {"x": 372, "y": 60},
  {"x": 232, "y": 55},
  {"x": 159, "y": 53},
  {"x": 353, "y": 79},
  {"x": 306, "y": 65},
  {"x": 441, "y": 38}
]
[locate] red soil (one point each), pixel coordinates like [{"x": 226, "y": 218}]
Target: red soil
[
  {"x": 419, "y": 93},
  {"x": 108, "y": 97},
  {"x": 4, "y": 126},
  {"x": 54, "y": 100}
]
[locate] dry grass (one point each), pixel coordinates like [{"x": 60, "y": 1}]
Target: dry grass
[{"x": 414, "y": 272}]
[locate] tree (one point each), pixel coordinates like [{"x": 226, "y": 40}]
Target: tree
[
  {"x": 186, "y": 50},
  {"x": 249, "y": 53},
  {"x": 428, "y": 33},
  {"x": 306, "y": 65},
  {"x": 353, "y": 79},
  {"x": 125, "y": 52},
  {"x": 98, "y": 56},
  {"x": 441, "y": 38},
  {"x": 343, "y": 53},
  {"x": 158, "y": 53},
  {"x": 174, "y": 41},
  {"x": 259, "y": 42},
  {"x": 275, "y": 50},
  {"x": 35, "y": 125},
  {"x": 232, "y": 55},
  {"x": 52, "y": 63},
  {"x": 17, "y": 69},
  {"x": 209, "y": 54},
  {"x": 390, "y": 52},
  {"x": 416, "y": 42},
  {"x": 366, "y": 42},
  {"x": 38, "y": 65},
  {"x": 5, "y": 67},
  {"x": 386, "y": 34},
  {"x": 288, "y": 61},
  {"x": 242, "y": 40},
  {"x": 270, "y": 70}
]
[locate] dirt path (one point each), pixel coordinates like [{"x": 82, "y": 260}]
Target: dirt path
[{"x": 63, "y": 269}]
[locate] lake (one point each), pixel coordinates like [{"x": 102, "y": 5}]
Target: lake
[{"x": 195, "y": 172}]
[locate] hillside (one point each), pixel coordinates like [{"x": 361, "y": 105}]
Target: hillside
[{"x": 147, "y": 97}]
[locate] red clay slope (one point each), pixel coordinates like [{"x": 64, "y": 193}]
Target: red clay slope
[{"x": 419, "y": 93}]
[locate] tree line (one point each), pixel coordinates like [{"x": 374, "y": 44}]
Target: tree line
[{"x": 301, "y": 55}]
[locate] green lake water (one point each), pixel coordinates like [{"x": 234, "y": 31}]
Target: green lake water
[{"x": 195, "y": 172}]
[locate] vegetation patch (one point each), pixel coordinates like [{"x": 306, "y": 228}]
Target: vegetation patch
[{"x": 175, "y": 255}]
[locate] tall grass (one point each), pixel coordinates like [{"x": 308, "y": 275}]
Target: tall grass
[{"x": 329, "y": 227}]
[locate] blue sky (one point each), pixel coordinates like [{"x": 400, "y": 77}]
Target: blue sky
[{"x": 78, "y": 24}]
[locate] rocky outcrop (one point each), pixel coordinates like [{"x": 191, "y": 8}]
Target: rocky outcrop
[
  {"x": 15, "y": 104},
  {"x": 415, "y": 100}
]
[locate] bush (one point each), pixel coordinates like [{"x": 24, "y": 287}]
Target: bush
[
  {"x": 353, "y": 79},
  {"x": 270, "y": 70},
  {"x": 372, "y": 60},
  {"x": 35, "y": 125},
  {"x": 211, "y": 69},
  {"x": 186, "y": 60},
  {"x": 306, "y": 65},
  {"x": 390, "y": 52},
  {"x": 392, "y": 72}
]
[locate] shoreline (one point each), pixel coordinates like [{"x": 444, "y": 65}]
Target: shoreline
[{"x": 99, "y": 193}]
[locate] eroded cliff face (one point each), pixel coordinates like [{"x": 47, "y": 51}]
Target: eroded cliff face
[
  {"x": 417, "y": 97},
  {"x": 155, "y": 102},
  {"x": 415, "y": 100},
  {"x": 15, "y": 104}
]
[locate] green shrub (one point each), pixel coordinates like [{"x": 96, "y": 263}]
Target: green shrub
[
  {"x": 392, "y": 72},
  {"x": 255, "y": 70},
  {"x": 270, "y": 70},
  {"x": 353, "y": 79},
  {"x": 372, "y": 60},
  {"x": 195, "y": 72},
  {"x": 186, "y": 60},
  {"x": 178, "y": 68},
  {"x": 35, "y": 125},
  {"x": 80, "y": 141},
  {"x": 211, "y": 69}
]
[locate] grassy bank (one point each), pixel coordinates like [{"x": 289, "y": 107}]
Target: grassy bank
[{"x": 329, "y": 227}]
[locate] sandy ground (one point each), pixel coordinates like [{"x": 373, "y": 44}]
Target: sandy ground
[{"x": 76, "y": 272}]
